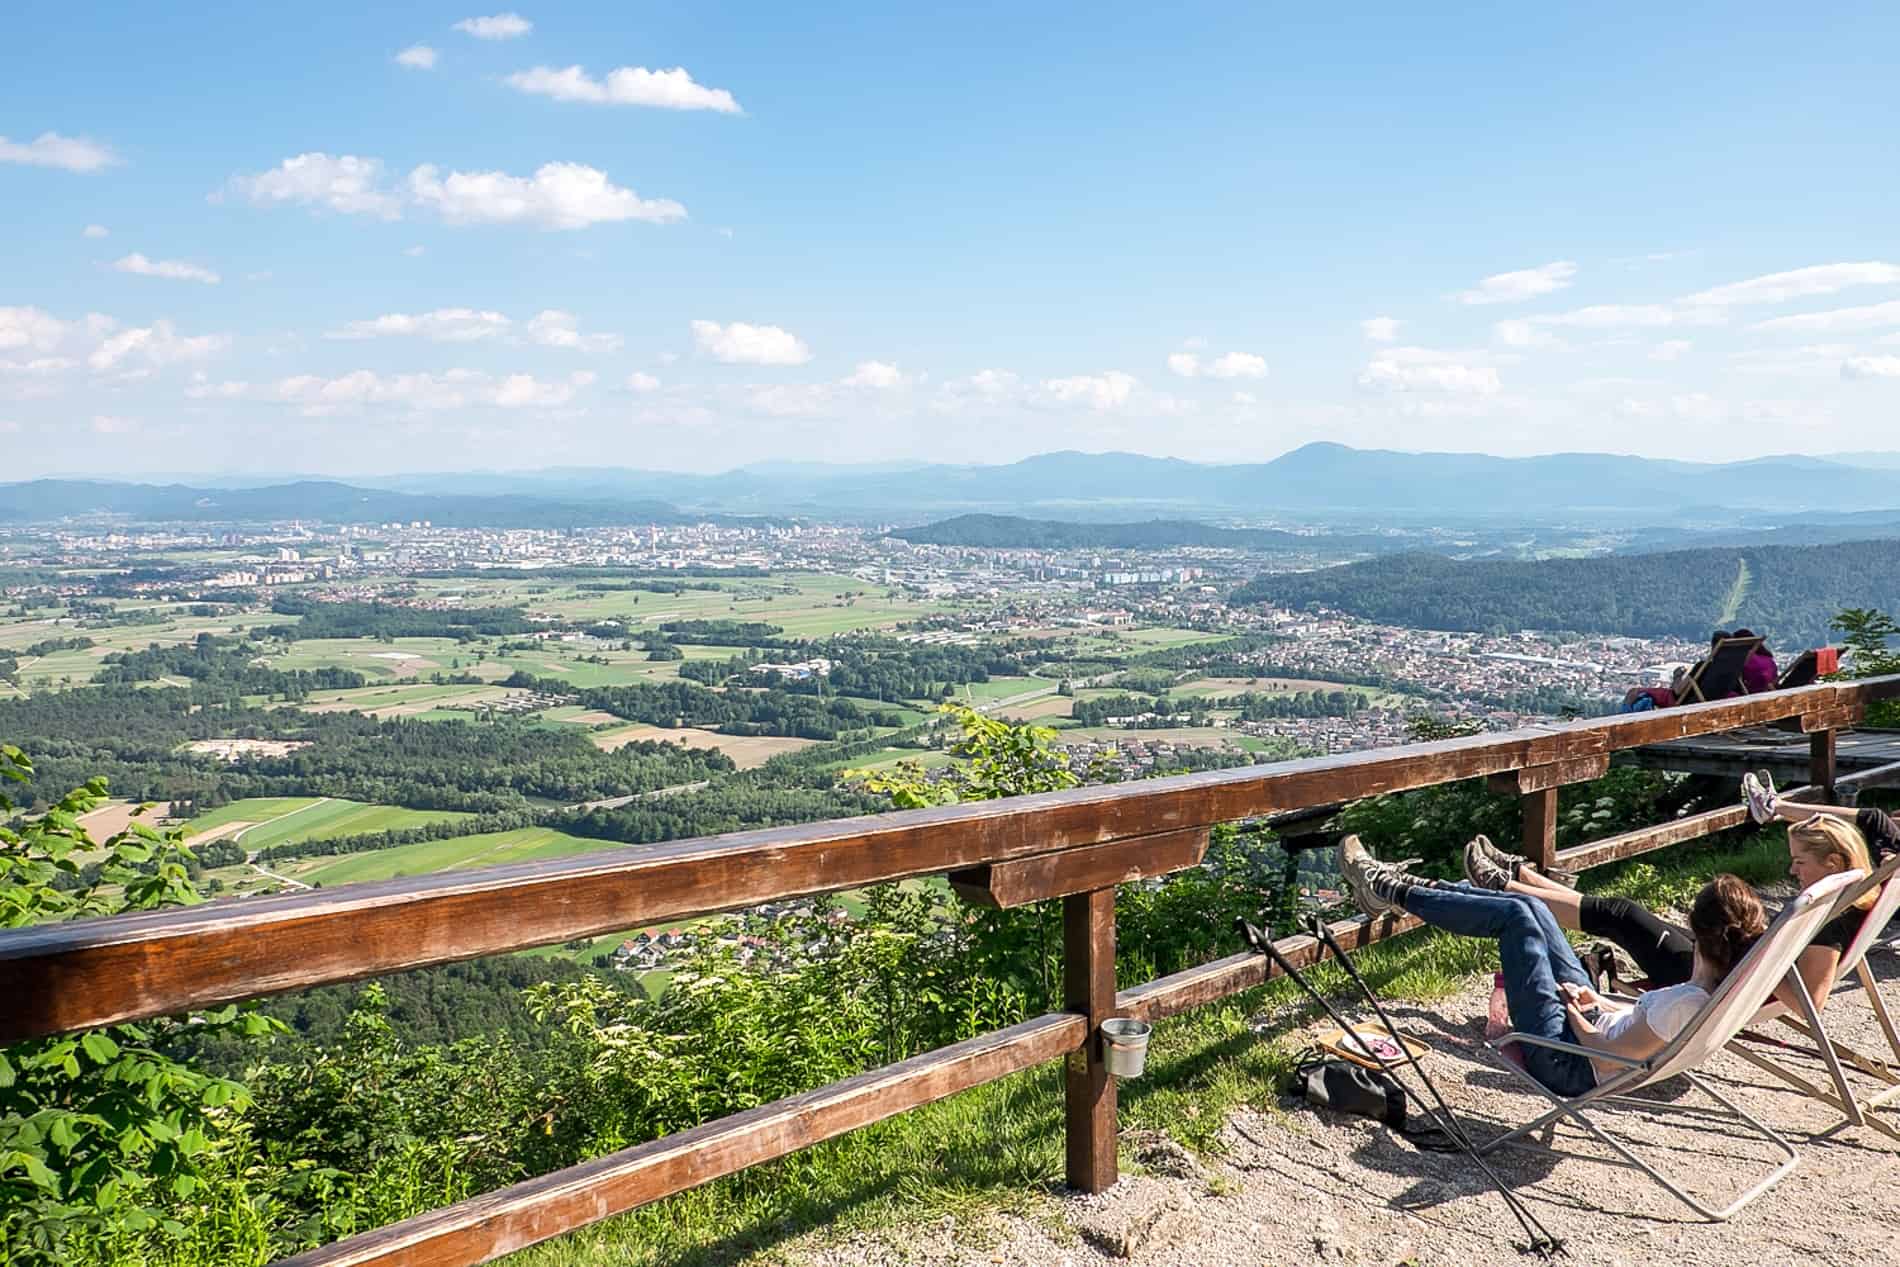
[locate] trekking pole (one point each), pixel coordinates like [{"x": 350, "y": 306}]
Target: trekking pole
[{"x": 1542, "y": 1243}]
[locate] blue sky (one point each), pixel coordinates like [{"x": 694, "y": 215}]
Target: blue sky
[{"x": 696, "y": 235}]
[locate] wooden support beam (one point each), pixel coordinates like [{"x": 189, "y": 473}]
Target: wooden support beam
[
  {"x": 1821, "y": 746},
  {"x": 1538, "y": 778},
  {"x": 1007, "y": 884},
  {"x": 1540, "y": 827},
  {"x": 1088, "y": 988},
  {"x": 500, "y": 1222},
  {"x": 1189, "y": 989},
  {"x": 1644, "y": 839}
]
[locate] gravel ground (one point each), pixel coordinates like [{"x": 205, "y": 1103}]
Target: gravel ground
[{"x": 1293, "y": 1187}]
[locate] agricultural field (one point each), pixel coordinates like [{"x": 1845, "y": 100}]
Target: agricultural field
[
  {"x": 748, "y": 752},
  {"x": 1044, "y": 710},
  {"x": 405, "y": 701},
  {"x": 260, "y": 822},
  {"x": 74, "y": 668},
  {"x": 488, "y": 849},
  {"x": 804, "y": 604},
  {"x": 1002, "y": 688}
]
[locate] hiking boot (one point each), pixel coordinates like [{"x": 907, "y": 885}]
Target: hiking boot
[
  {"x": 1489, "y": 867},
  {"x": 1758, "y": 789},
  {"x": 1377, "y": 887},
  {"x": 1513, "y": 865}
]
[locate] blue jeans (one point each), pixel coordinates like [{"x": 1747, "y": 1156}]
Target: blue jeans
[{"x": 1536, "y": 958}]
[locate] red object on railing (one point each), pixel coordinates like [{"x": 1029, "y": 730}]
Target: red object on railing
[{"x": 1827, "y": 660}]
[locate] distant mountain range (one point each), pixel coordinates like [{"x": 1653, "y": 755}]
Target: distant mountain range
[
  {"x": 316, "y": 500},
  {"x": 1011, "y": 532},
  {"x": 1314, "y": 482}
]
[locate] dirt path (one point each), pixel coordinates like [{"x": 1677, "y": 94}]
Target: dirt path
[
  {"x": 1294, "y": 1186},
  {"x": 236, "y": 827}
]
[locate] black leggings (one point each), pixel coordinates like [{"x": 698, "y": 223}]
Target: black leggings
[{"x": 1663, "y": 952}]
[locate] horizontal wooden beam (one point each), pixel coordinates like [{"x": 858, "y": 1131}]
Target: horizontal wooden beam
[
  {"x": 1644, "y": 839},
  {"x": 1541, "y": 778},
  {"x": 1184, "y": 991},
  {"x": 500, "y": 1222},
  {"x": 1007, "y": 884},
  {"x": 1861, "y": 780},
  {"x": 93, "y": 972}
]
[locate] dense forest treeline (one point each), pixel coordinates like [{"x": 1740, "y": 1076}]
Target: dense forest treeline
[
  {"x": 134, "y": 737},
  {"x": 384, "y": 621},
  {"x": 1788, "y": 593},
  {"x": 772, "y": 711}
]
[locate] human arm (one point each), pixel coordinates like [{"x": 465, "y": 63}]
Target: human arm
[
  {"x": 1817, "y": 968},
  {"x": 1634, "y": 1041}
]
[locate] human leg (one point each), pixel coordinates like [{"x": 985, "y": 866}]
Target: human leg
[
  {"x": 1663, "y": 953},
  {"x": 1534, "y": 957}
]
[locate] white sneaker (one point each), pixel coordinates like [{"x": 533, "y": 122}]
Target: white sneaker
[{"x": 1759, "y": 791}]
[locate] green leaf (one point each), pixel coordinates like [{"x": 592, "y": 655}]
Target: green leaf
[{"x": 98, "y": 1046}]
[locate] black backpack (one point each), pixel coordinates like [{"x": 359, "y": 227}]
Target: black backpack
[{"x": 1344, "y": 1087}]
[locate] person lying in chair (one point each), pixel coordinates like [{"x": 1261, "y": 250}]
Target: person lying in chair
[
  {"x": 1547, "y": 990},
  {"x": 1664, "y": 952}
]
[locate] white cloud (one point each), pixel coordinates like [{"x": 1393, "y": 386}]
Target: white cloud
[
  {"x": 1246, "y": 398},
  {"x": 1413, "y": 369},
  {"x": 557, "y": 196},
  {"x": 444, "y": 325},
  {"x": 1868, "y": 317},
  {"x": 1670, "y": 349},
  {"x": 553, "y": 328},
  {"x": 158, "y": 344},
  {"x": 50, "y": 149},
  {"x": 1228, "y": 365},
  {"x": 501, "y": 26},
  {"x": 1108, "y": 390},
  {"x": 202, "y": 387},
  {"x": 171, "y": 270},
  {"x": 1871, "y": 367},
  {"x": 415, "y": 252},
  {"x": 1381, "y": 329},
  {"x": 743, "y": 344},
  {"x": 1528, "y": 283},
  {"x": 1624, "y": 316},
  {"x": 1238, "y": 365},
  {"x": 791, "y": 400},
  {"x": 417, "y": 57},
  {"x": 878, "y": 374},
  {"x": 35, "y": 328},
  {"x": 112, "y": 425},
  {"x": 344, "y": 183},
  {"x": 452, "y": 389},
  {"x": 640, "y": 381},
  {"x": 627, "y": 86},
  {"x": 1517, "y": 333},
  {"x": 96, "y": 231},
  {"x": 1774, "y": 288}
]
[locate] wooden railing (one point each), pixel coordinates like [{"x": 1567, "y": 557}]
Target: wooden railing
[{"x": 1076, "y": 845}]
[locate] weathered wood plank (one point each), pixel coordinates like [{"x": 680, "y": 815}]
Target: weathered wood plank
[
  {"x": 488, "y": 1226},
  {"x": 85, "y": 973},
  {"x": 1007, "y": 884},
  {"x": 1644, "y": 839},
  {"x": 1088, "y": 988},
  {"x": 1821, "y": 766},
  {"x": 1540, "y": 826},
  {"x": 1187, "y": 990},
  {"x": 1559, "y": 774}
]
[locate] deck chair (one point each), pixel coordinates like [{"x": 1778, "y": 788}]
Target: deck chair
[
  {"x": 1854, "y": 1109},
  {"x": 1733, "y": 1005},
  {"x": 1806, "y": 669},
  {"x": 1719, "y": 674}
]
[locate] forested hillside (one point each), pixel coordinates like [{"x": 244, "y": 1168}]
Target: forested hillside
[{"x": 1788, "y": 593}]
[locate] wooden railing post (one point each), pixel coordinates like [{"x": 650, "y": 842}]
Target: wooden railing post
[
  {"x": 1540, "y": 827},
  {"x": 1821, "y": 751},
  {"x": 1088, "y": 987}
]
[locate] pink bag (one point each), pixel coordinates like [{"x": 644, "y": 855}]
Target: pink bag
[{"x": 1498, "y": 1023}]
